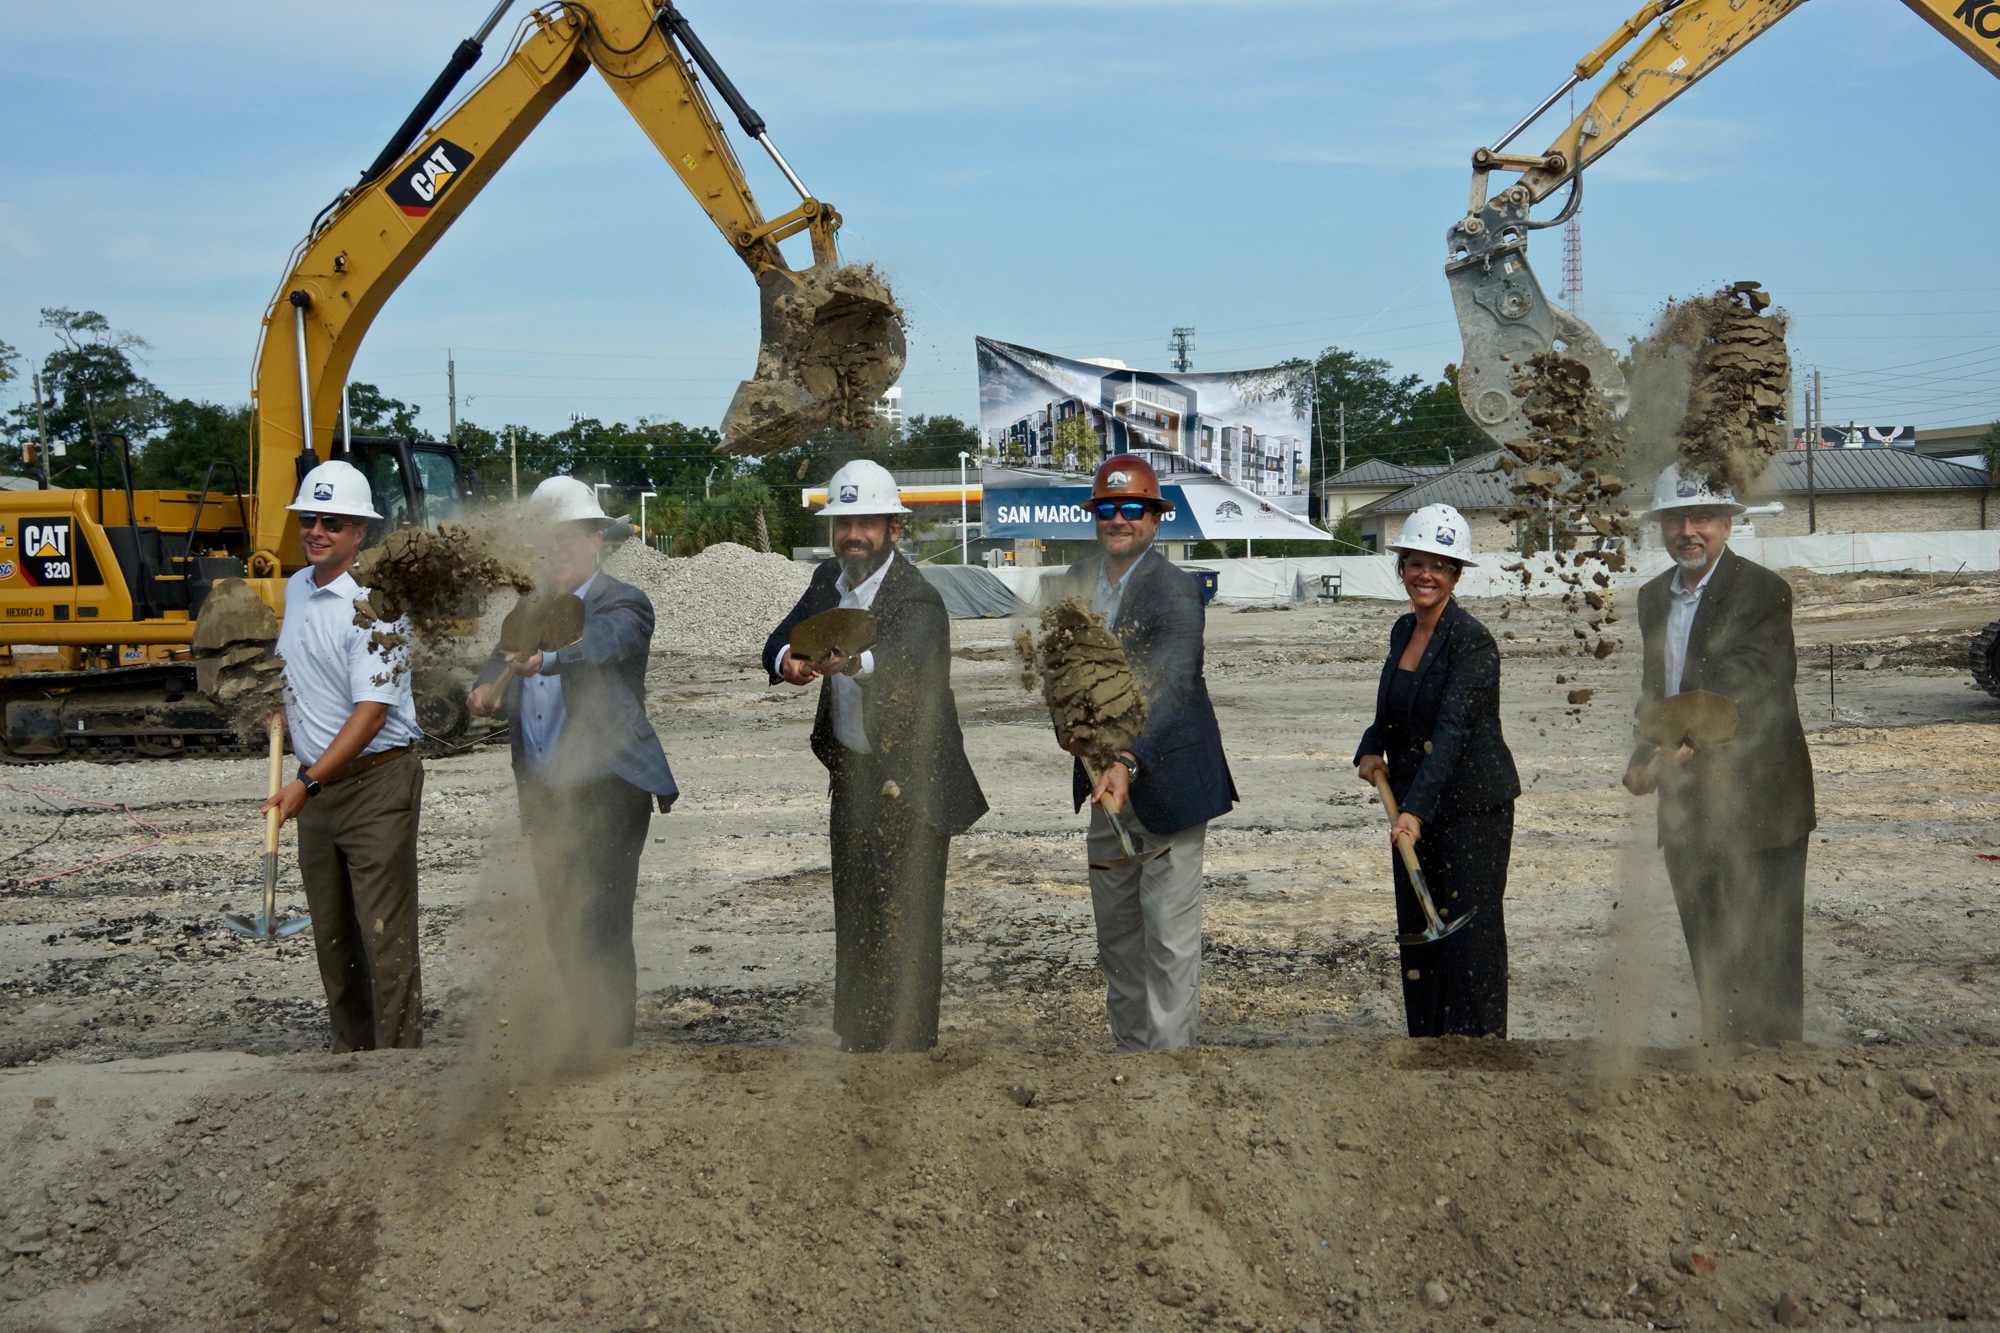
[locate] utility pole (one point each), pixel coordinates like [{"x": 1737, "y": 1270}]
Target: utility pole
[
  {"x": 1343, "y": 435},
  {"x": 513, "y": 466},
  {"x": 1812, "y": 449},
  {"x": 41, "y": 432},
  {"x": 1182, "y": 346},
  {"x": 451, "y": 392}
]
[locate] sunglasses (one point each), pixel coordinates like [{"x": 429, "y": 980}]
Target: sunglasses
[
  {"x": 332, "y": 523},
  {"x": 1129, "y": 510}
]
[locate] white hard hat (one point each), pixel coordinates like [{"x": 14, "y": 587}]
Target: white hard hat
[
  {"x": 1437, "y": 530},
  {"x": 567, "y": 500},
  {"x": 862, "y": 488},
  {"x": 335, "y": 488},
  {"x": 1673, "y": 491}
]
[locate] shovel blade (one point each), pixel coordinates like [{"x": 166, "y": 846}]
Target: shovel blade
[
  {"x": 1444, "y": 928},
  {"x": 1137, "y": 858},
  {"x": 257, "y": 926}
]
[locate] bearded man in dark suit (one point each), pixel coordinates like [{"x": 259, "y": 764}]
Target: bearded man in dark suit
[
  {"x": 887, "y": 731},
  {"x": 1734, "y": 819}
]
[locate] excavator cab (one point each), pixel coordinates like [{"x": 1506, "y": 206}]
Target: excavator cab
[{"x": 415, "y": 482}]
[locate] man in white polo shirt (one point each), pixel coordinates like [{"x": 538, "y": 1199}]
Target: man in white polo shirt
[{"x": 359, "y": 785}]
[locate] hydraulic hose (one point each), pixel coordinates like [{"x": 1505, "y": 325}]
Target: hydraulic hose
[{"x": 462, "y": 59}]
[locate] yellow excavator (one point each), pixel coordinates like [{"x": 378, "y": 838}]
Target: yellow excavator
[
  {"x": 100, "y": 587},
  {"x": 1503, "y": 316}
]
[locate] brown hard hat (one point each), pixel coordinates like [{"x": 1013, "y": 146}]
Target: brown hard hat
[{"x": 1125, "y": 477}]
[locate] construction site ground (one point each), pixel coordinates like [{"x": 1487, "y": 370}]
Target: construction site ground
[{"x": 181, "y": 1153}]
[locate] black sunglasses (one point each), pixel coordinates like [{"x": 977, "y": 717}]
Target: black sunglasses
[
  {"x": 1129, "y": 510},
  {"x": 333, "y": 523}
]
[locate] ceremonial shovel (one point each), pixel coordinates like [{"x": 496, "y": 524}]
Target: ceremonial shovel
[
  {"x": 1133, "y": 855},
  {"x": 1437, "y": 928},
  {"x": 266, "y": 925}
]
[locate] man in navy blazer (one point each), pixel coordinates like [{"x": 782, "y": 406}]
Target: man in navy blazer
[
  {"x": 588, "y": 766},
  {"x": 887, "y": 731},
  {"x": 1172, "y": 780}
]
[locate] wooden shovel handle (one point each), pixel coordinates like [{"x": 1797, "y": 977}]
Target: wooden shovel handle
[
  {"x": 276, "y": 817},
  {"x": 1107, "y": 800},
  {"x": 1403, "y": 845}
]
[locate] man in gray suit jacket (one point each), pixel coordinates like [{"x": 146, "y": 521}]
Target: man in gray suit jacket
[
  {"x": 1735, "y": 819},
  {"x": 587, "y": 765},
  {"x": 1172, "y": 781}
]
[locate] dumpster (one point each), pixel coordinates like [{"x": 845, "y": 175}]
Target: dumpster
[{"x": 1209, "y": 581}]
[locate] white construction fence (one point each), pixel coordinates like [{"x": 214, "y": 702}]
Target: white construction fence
[{"x": 1286, "y": 580}]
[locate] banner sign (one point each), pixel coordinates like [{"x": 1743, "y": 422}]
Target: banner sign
[
  {"x": 1860, "y": 437},
  {"x": 1251, "y": 428},
  {"x": 1062, "y": 513}
]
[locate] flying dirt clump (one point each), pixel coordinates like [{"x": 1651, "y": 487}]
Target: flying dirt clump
[
  {"x": 432, "y": 586},
  {"x": 1741, "y": 386},
  {"x": 1081, "y": 670},
  {"x": 832, "y": 344},
  {"x": 1563, "y": 486},
  {"x": 233, "y": 661}
]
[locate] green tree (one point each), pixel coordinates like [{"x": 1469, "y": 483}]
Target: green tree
[
  {"x": 10, "y": 357},
  {"x": 372, "y": 412},
  {"x": 1076, "y": 444},
  {"x": 1989, "y": 445},
  {"x": 91, "y": 391},
  {"x": 194, "y": 435},
  {"x": 1439, "y": 429}
]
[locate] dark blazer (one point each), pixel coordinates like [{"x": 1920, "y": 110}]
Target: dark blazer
[
  {"x": 1756, "y": 792},
  {"x": 1183, "y": 778},
  {"x": 1452, "y": 759},
  {"x": 908, "y": 709},
  {"x": 605, "y": 729}
]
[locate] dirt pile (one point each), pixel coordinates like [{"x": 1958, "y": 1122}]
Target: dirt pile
[
  {"x": 1080, "y": 669},
  {"x": 1381, "y": 1184},
  {"x": 832, "y": 343},
  {"x": 724, "y": 602},
  {"x": 233, "y": 661}
]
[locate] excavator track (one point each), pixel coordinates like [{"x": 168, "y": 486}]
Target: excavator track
[
  {"x": 1984, "y": 659},
  {"x": 152, "y": 711}
]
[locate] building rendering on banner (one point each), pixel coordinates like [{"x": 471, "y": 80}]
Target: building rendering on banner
[{"x": 1249, "y": 428}]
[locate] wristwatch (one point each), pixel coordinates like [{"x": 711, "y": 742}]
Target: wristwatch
[
  {"x": 310, "y": 782},
  {"x": 1131, "y": 764}
]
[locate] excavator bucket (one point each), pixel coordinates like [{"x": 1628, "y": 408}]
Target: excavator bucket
[
  {"x": 1504, "y": 319},
  {"x": 832, "y": 344}
]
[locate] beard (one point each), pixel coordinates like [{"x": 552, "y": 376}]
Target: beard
[{"x": 859, "y": 566}]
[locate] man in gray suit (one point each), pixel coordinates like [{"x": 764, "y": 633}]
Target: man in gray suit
[
  {"x": 587, "y": 764},
  {"x": 1172, "y": 781},
  {"x": 1735, "y": 819}
]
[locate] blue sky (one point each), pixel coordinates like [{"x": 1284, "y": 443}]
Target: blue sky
[{"x": 1079, "y": 177}]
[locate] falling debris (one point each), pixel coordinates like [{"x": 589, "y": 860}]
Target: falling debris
[
  {"x": 233, "y": 660},
  {"x": 426, "y": 588},
  {"x": 1741, "y": 386},
  {"x": 832, "y": 344},
  {"x": 1081, "y": 671}
]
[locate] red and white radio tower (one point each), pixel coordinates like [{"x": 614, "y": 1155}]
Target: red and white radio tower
[{"x": 1572, "y": 283}]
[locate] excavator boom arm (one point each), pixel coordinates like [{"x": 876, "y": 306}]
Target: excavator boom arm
[{"x": 346, "y": 270}]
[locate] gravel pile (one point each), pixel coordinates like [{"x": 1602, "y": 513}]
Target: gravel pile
[{"x": 724, "y": 602}]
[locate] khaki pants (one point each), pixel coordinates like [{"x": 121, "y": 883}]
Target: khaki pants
[
  {"x": 358, "y": 857},
  {"x": 1149, "y": 933}
]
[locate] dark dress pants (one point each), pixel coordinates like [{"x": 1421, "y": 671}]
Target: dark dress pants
[
  {"x": 585, "y": 841},
  {"x": 888, "y": 915},
  {"x": 1744, "y": 916},
  {"x": 1458, "y": 986},
  {"x": 358, "y": 858}
]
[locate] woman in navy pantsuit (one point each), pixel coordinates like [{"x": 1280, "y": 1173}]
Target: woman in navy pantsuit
[{"x": 1436, "y": 735}]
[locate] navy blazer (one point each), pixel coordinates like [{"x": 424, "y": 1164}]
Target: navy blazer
[
  {"x": 1453, "y": 759},
  {"x": 908, "y": 710},
  {"x": 1740, "y": 646},
  {"x": 606, "y": 732},
  {"x": 1183, "y": 778}
]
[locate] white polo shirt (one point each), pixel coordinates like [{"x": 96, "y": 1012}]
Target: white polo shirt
[{"x": 329, "y": 668}]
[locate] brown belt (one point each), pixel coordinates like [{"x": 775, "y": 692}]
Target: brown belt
[{"x": 356, "y": 767}]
